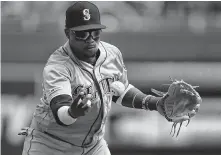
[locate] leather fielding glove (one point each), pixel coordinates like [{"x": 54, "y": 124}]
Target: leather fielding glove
[{"x": 180, "y": 103}]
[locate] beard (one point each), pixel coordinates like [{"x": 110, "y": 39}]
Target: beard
[{"x": 90, "y": 52}]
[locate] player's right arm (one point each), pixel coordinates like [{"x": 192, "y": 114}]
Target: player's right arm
[{"x": 57, "y": 92}]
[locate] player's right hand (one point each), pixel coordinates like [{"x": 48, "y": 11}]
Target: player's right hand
[{"x": 81, "y": 105}]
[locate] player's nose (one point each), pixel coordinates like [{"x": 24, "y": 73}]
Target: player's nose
[{"x": 89, "y": 39}]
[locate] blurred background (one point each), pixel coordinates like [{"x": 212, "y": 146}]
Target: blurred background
[{"x": 158, "y": 40}]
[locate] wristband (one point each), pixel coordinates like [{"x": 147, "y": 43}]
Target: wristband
[{"x": 64, "y": 115}]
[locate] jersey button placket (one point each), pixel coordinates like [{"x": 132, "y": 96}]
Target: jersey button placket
[{"x": 98, "y": 77}]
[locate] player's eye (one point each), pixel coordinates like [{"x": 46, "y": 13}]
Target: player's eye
[
  {"x": 82, "y": 34},
  {"x": 96, "y": 33}
]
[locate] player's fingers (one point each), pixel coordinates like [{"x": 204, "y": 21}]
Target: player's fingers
[
  {"x": 82, "y": 94},
  {"x": 83, "y": 103},
  {"x": 89, "y": 96},
  {"x": 87, "y": 108},
  {"x": 76, "y": 101},
  {"x": 86, "y": 103},
  {"x": 79, "y": 98}
]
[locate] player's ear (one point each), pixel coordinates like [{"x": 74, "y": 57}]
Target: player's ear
[{"x": 67, "y": 33}]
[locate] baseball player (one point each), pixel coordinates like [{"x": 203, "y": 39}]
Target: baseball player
[{"x": 77, "y": 90}]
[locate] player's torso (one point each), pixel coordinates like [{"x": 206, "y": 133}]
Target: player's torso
[{"x": 96, "y": 80}]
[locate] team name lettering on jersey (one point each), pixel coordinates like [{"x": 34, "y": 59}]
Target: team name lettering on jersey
[{"x": 103, "y": 83}]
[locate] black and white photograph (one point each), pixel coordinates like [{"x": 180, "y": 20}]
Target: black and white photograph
[{"x": 110, "y": 77}]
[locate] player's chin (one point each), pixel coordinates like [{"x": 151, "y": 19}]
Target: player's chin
[{"x": 90, "y": 52}]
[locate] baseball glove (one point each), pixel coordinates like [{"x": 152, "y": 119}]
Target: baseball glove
[{"x": 180, "y": 103}]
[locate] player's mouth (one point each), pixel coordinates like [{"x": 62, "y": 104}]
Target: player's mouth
[{"x": 90, "y": 46}]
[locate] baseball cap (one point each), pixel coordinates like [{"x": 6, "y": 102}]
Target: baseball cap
[{"x": 83, "y": 16}]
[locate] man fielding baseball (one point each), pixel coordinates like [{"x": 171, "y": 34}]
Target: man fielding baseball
[{"x": 80, "y": 81}]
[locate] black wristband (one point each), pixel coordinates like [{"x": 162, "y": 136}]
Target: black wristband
[
  {"x": 137, "y": 100},
  {"x": 151, "y": 102}
]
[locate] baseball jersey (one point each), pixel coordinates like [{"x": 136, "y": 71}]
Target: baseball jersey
[{"x": 66, "y": 74}]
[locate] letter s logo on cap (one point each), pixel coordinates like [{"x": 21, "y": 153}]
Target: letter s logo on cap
[{"x": 86, "y": 14}]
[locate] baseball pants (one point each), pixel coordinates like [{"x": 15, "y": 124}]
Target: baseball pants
[{"x": 38, "y": 143}]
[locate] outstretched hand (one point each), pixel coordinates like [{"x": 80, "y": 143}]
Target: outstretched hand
[{"x": 81, "y": 105}]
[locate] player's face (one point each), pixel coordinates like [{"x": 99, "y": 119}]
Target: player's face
[{"x": 85, "y": 43}]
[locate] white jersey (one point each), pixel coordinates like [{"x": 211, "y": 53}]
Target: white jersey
[{"x": 65, "y": 74}]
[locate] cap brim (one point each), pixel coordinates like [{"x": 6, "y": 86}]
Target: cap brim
[{"x": 88, "y": 27}]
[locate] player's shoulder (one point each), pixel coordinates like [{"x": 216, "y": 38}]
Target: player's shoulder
[
  {"x": 58, "y": 57},
  {"x": 111, "y": 49},
  {"x": 58, "y": 61},
  {"x": 56, "y": 70}
]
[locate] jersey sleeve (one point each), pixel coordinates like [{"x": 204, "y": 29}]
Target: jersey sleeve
[
  {"x": 123, "y": 78},
  {"x": 56, "y": 81}
]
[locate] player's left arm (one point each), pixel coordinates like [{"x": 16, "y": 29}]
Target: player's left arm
[
  {"x": 132, "y": 97},
  {"x": 180, "y": 103}
]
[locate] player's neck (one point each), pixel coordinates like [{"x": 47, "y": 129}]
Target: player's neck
[{"x": 90, "y": 60}]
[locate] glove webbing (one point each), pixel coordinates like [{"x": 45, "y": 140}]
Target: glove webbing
[{"x": 164, "y": 111}]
